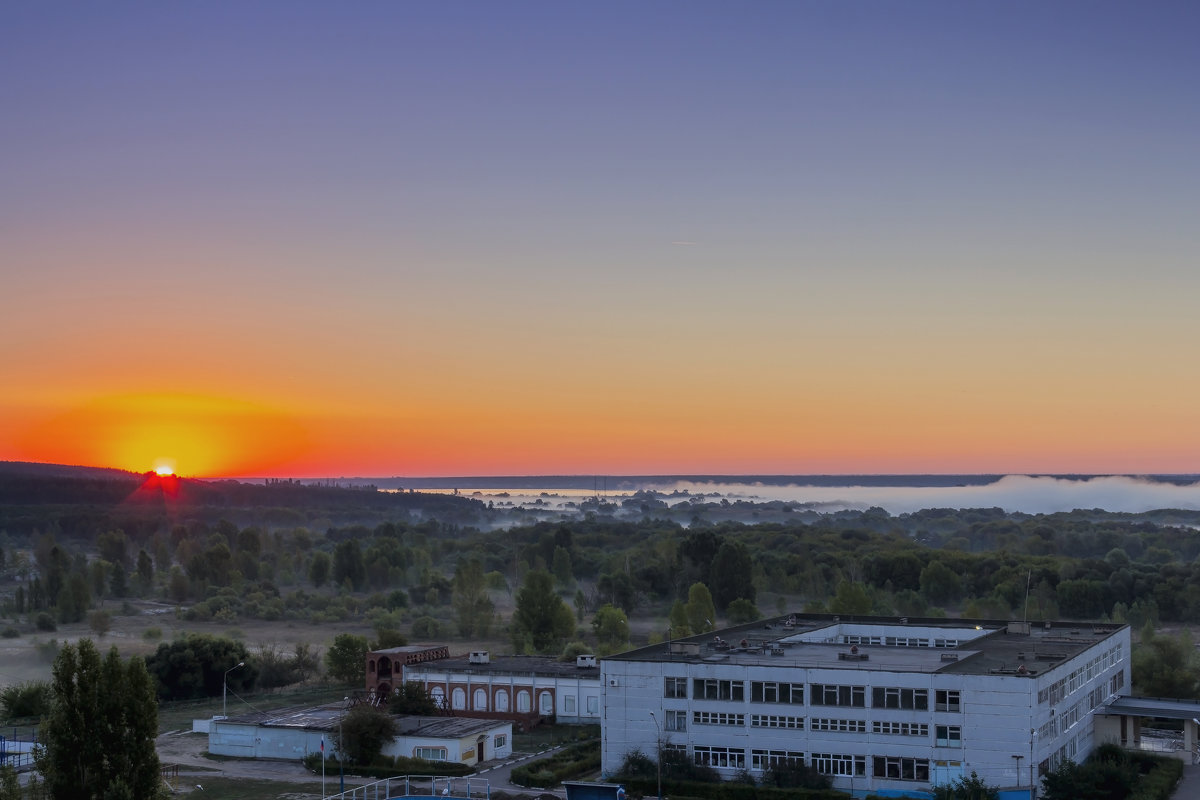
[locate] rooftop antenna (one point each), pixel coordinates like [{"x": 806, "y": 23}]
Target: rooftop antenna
[{"x": 1028, "y": 578}]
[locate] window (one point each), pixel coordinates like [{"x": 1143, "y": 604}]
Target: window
[
  {"x": 889, "y": 697},
  {"x": 949, "y": 735},
  {"x": 716, "y": 718},
  {"x": 765, "y": 759},
  {"x": 502, "y": 700},
  {"x": 675, "y": 721},
  {"x": 948, "y": 700},
  {"x": 500, "y": 741},
  {"x": 836, "y": 764},
  {"x": 480, "y": 703},
  {"x": 569, "y": 704},
  {"x": 774, "y": 721},
  {"x": 438, "y": 695},
  {"x": 838, "y": 725},
  {"x": 905, "y": 769},
  {"x": 901, "y": 728},
  {"x": 675, "y": 687},
  {"x": 830, "y": 695},
  {"x": 545, "y": 703},
  {"x": 593, "y": 704},
  {"x": 773, "y": 692},
  {"x": 430, "y": 753},
  {"x": 523, "y": 701},
  {"x": 719, "y": 757},
  {"x": 458, "y": 699},
  {"x": 712, "y": 689}
]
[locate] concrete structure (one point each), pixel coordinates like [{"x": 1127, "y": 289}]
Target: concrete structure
[
  {"x": 523, "y": 689},
  {"x": 879, "y": 704},
  {"x": 385, "y": 668},
  {"x": 293, "y": 733},
  {"x": 1164, "y": 726}
]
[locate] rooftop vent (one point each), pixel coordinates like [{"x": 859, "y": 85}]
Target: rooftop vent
[
  {"x": 949, "y": 656},
  {"x": 853, "y": 655},
  {"x": 685, "y": 648},
  {"x": 582, "y": 662},
  {"x": 479, "y": 657}
]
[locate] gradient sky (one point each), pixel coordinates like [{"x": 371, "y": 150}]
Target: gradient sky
[{"x": 421, "y": 238}]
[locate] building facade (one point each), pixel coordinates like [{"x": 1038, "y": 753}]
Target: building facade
[
  {"x": 523, "y": 689},
  {"x": 877, "y": 704}
]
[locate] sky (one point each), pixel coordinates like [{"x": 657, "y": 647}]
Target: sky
[{"x": 435, "y": 238}]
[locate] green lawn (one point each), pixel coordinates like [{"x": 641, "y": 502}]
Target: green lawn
[{"x": 241, "y": 789}]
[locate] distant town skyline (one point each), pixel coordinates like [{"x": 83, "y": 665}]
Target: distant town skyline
[{"x": 472, "y": 238}]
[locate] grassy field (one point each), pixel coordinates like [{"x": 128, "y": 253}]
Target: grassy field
[{"x": 242, "y": 789}]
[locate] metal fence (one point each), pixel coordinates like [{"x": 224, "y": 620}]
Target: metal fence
[{"x": 418, "y": 786}]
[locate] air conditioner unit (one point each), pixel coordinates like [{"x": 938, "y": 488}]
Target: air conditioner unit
[{"x": 613, "y": 682}]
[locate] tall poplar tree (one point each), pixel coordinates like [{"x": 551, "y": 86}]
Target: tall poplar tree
[{"x": 98, "y": 741}]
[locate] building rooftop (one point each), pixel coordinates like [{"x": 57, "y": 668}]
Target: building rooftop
[
  {"x": 326, "y": 718},
  {"x": 541, "y": 666},
  {"x": 893, "y": 644}
]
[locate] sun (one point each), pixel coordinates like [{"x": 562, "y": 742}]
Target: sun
[{"x": 164, "y": 468}]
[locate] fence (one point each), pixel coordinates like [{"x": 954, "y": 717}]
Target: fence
[
  {"x": 418, "y": 786},
  {"x": 17, "y": 752}
]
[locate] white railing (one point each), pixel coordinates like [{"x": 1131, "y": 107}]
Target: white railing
[
  {"x": 418, "y": 786},
  {"x": 1160, "y": 741}
]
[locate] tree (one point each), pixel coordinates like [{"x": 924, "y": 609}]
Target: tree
[
  {"x": 851, "y": 598},
  {"x": 1165, "y": 666},
  {"x": 541, "y": 617},
  {"x": 741, "y": 611},
  {"x": 940, "y": 584},
  {"x": 700, "y": 609},
  {"x": 732, "y": 575},
  {"x": 472, "y": 605},
  {"x": 561, "y": 566},
  {"x": 972, "y": 788},
  {"x": 411, "y": 697},
  {"x": 363, "y": 733},
  {"x": 319, "y": 569},
  {"x": 678, "y": 621},
  {"x": 346, "y": 658},
  {"x": 100, "y": 622},
  {"x": 611, "y": 627},
  {"x": 98, "y": 742},
  {"x": 348, "y": 566},
  {"x": 195, "y": 667}
]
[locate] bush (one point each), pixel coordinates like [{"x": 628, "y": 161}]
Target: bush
[
  {"x": 30, "y": 699},
  {"x": 152, "y": 634},
  {"x": 45, "y": 622},
  {"x": 570, "y": 762},
  {"x": 10, "y": 632},
  {"x": 426, "y": 627}
]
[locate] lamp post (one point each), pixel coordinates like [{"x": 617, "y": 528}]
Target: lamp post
[
  {"x": 225, "y": 688},
  {"x": 1018, "y": 758},
  {"x": 1032, "y": 785},
  {"x": 658, "y": 744},
  {"x": 341, "y": 743}
]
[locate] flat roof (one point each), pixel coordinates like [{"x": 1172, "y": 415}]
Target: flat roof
[
  {"x": 543, "y": 666},
  {"x": 1160, "y": 707},
  {"x": 827, "y": 641},
  {"x": 326, "y": 718}
]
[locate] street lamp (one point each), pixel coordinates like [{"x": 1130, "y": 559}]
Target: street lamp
[
  {"x": 1018, "y": 758},
  {"x": 341, "y": 745},
  {"x": 658, "y": 744},
  {"x": 225, "y": 688}
]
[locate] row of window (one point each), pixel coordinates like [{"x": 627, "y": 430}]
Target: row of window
[
  {"x": 944, "y": 735},
  {"x": 899, "y": 641},
  {"x": 820, "y": 694},
  {"x": 479, "y": 701},
  {"x": 837, "y": 764},
  {"x": 1063, "y": 688}
]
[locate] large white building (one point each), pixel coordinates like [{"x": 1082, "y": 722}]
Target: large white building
[{"x": 878, "y": 704}]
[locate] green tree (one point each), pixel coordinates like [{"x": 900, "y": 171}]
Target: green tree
[
  {"x": 742, "y": 611},
  {"x": 541, "y": 617},
  {"x": 1165, "y": 666},
  {"x": 472, "y": 606},
  {"x": 851, "y": 598},
  {"x": 972, "y": 788},
  {"x": 319, "y": 569},
  {"x": 561, "y": 566},
  {"x": 364, "y": 732},
  {"x": 611, "y": 627},
  {"x": 732, "y": 574},
  {"x": 98, "y": 742},
  {"x": 194, "y": 666},
  {"x": 411, "y": 697},
  {"x": 678, "y": 621},
  {"x": 10, "y": 785},
  {"x": 346, "y": 658},
  {"x": 348, "y": 566},
  {"x": 940, "y": 584},
  {"x": 700, "y": 609}
]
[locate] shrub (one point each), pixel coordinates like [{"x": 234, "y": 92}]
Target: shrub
[
  {"x": 10, "y": 632},
  {"x": 45, "y": 622},
  {"x": 426, "y": 627},
  {"x": 570, "y": 762},
  {"x": 30, "y": 699},
  {"x": 152, "y": 634}
]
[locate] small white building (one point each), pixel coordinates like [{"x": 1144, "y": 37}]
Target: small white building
[{"x": 293, "y": 733}]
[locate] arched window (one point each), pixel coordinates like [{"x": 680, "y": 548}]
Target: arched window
[
  {"x": 502, "y": 700},
  {"x": 546, "y": 703},
  {"x": 439, "y": 696},
  {"x": 523, "y": 701},
  {"x": 371, "y": 665},
  {"x": 458, "y": 699},
  {"x": 480, "y": 701}
]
